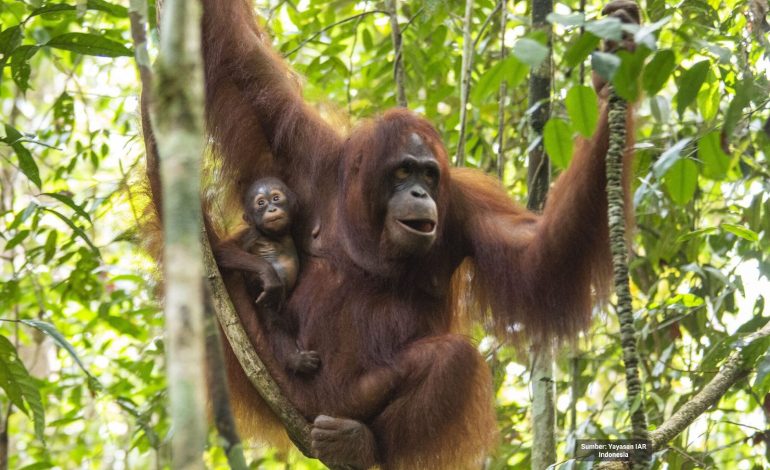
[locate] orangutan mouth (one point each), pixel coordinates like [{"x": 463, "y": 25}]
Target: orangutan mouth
[{"x": 425, "y": 226}]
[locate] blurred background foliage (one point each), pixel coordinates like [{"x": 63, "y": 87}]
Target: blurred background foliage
[{"x": 81, "y": 349}]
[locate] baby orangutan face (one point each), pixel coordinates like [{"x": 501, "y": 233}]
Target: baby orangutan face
[{"x": 269, "y": 207}]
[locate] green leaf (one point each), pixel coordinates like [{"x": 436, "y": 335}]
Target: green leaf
[
  {"x": 19, "y": 386},
  {"x": 742, "y": 232},
  {"x": 658, "y": 71},
  {"x": 10, "y": 39},
  {"x": 605, "y": 64},
  {"x": 572, "y": 19},
  {"x": 99, "y": 5},
  {"x": 660, "y": 108},
  {"x": 689, "y": 84},
  {"x": 23, "y": 215},
  {"x": 583, "y": 109},
  {"x": 606, "y": 28},
  {"x": 69, "y": 202},
  {"x": 59, "y": 339},
  {"x": 557, "y": 139},
  {"x": 579, "y": 50},
  {"x": 530, "y": 51},
  {"x": 669, "y": 157},
  {"x": 20, "y": 69},
  {"x": 644, "y": 35},
  {"x": 366, "y": 38},
  {"x": 115, "y": 10},
  {"x": 626, "y": 78},
  {"x": 715, "y": 161},
  {"x": 49, "y": 249},
  {"x": 761, "y": 383},
  {"x": 681, "y": 181},
  {"x": 741, "y": 100},
  {"x": 18, "y": 238},
  {"x": 78, "y": 231},
  {"x": 512, "y": 70},
  {"x": 89, "y": 44},
  {"x": 695, "y": 234},
  {"x": 26, "y": 162}
]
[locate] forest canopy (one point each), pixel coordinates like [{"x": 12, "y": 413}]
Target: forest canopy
[{"x": 83, "y": 376}]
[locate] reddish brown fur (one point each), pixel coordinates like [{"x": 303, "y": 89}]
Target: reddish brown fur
[{"x": 384, "y": 326}]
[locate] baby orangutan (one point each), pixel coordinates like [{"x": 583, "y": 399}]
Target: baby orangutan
[{"x": 268, "y": 208}]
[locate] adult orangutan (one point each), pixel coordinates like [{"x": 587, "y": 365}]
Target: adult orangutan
[{"x": 393, "y": 242}]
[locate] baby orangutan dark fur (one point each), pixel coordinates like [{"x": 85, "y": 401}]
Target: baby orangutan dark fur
[
  {"x": 268, "y": 210},
  {"x": 393, "y": 244}
]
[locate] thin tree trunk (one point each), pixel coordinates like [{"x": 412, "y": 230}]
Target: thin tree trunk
[
  {"x": 539, "y": 171},
  {"x": 465, "y": 81},
  {"x": 538, "y": 179},
  {"x": 398, "y": 63},
  {"x": 179, "y": 117},
  {"x": 4, "y": 439},
  {"x": 502, "y": 95},
  {"x": 217, "y": 380},
  {"x": 543, "y": 409}
]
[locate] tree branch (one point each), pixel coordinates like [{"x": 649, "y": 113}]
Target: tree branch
[
  {"x": 731, "y": 372},
  {"x": 296, "y": 427},
  {"x": 398, "y": 63},
  {"x": 219, "y": 393},
  {"x": 465, "y": 81}
]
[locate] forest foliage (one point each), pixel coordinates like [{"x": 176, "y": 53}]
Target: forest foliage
[{"x": 82, "y": 375}]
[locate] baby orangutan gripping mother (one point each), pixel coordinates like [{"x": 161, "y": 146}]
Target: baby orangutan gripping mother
[{"x": 269, "y": 206}]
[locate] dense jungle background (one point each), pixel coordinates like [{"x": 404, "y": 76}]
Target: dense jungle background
[{"x": 82, "y": 365}]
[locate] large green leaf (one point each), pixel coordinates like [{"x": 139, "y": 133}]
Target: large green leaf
[
  {"x": 580, "y": 49},
  {"x": 583, "y": 109},
  {"x": 681, "y": 181},
  {"x": 658, "y": 71},
  {"x": 626, "y": 78},
  {"x": 89, "y": 44},
  {"x": 689, "y": 84},
  {"x": 604, "y": 64},
  {"x": 738, "y": 103},
  {"x": 557, "y": 139},
  {"x": 669, "y": 157},
  {"x": 530, "y": 51},
  {"x": 606, "y": 28},
  {"x": 10, "y": 39},
  {"x": 715, "y": 161},
  {"x": 512, "y": 70},
  {"x": 19, "y": 386}
]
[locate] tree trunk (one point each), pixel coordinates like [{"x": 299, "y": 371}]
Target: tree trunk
[
  {"x": 179, "y": 117},
  {"x": 538, "y": 178}
]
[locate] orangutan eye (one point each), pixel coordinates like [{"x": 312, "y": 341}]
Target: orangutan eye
[
  {"x": 431, "y": 176},
  {"x": 261, "y": 202},
  {"x": 276, "y": 198},
  {"x": 403, "y": 172}
]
